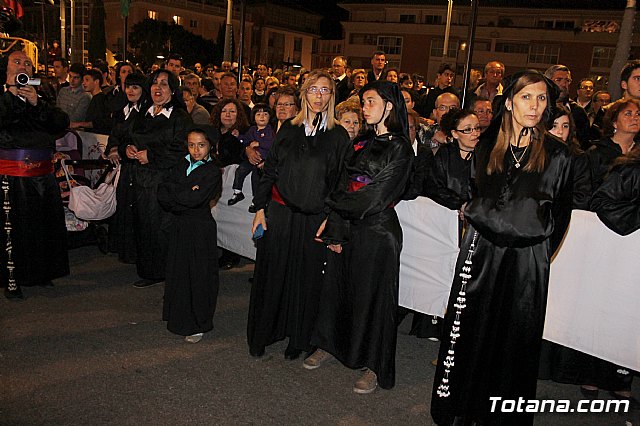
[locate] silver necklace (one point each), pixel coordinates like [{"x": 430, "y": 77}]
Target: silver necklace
[{"x": 516, "y": 159}]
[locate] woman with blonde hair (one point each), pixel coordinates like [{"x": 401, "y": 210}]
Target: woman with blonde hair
[
  {"x": 518, "y": 213},
  {"x": 300, "y": 173}
]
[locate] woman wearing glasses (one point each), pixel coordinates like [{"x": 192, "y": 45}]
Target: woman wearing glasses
[
  {"x": 300, "y": 172},
  {"x": 518, "y": 213},
  {"x": 359, "y": 304}
]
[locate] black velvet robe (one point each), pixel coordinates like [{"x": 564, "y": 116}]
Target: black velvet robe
[
  {"x": 289, "y": 262},
  {"x": 38, "y": 233},
  {"x": 617, "y": 201},
  {"x": 165, "y": 141},
  {"x": 591, "y": 168},
  {"x": 497, "y": 304},
  {"x": 191, "y": 284},
  {"x": 357, "y": 322},
  {"x": 121, "y": 228},
  {"x": 447, "y": 177}
]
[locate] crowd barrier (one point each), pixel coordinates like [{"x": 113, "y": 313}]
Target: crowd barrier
[{"x": 594, "y": 289}]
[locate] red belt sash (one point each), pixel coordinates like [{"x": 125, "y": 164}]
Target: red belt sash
[
  {"x": 276, "y": 196},
  {"x": 26, "y": 162},
  {"x": 355, "y": 185}
]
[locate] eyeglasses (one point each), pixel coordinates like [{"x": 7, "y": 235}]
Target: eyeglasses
[
  {"x": 469, "y": 130},
  {"x": 285, "y": 104},
  {"x": 446, "y": 107},
  {"x": 314, "y": 90}
]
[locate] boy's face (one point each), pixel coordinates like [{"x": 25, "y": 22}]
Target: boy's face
[
  {"x": 198, "y": 146},
  {"x": 262, "y": 118}
]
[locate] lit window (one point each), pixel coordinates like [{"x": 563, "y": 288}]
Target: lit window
[
  {"x": 152, "y": 14},
  {"x": 390, "y": 45},
  {"x": 177, "y": 20}
]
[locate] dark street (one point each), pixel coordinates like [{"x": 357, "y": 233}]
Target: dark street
[{"x": 94, "y": 351}]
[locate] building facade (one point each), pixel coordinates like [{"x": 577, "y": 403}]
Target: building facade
[{"x": 412, "y": 36}]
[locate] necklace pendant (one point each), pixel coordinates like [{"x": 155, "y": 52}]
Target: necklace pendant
[{"x": 517, "y": 165}]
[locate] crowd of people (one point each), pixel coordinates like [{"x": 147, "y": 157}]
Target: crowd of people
[{"x": 330, "y": 153}]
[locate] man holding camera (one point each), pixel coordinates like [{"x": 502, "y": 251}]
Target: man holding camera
[{"x": 32, "y": 230}]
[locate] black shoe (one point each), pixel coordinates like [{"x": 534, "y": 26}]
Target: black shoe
[
  {"x": 252, "y": 208},
  {"x": 102, "y": 236},
  {"x": 144, "y": 283},
  {"x": 14, "y": 295},
  {"x": 257, "y": 353},
  {"x": 292, "y": 353},
  {"x": 228, "y": 261},
  {"x": 236, "y": 198},
  {"x": 589, "y": 393}
]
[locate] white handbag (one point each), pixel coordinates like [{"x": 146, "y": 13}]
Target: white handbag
[{"x": 94, "y": 204}]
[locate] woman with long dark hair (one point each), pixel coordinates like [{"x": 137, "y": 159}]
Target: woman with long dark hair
[
  {"x": 156, "y": 144},
  {"x": 300, "y": 173},
  {"x": 518, "y": 214},
  {"x": 357, "y": 323}
]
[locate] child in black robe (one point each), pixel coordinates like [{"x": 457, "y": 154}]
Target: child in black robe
[{"x": 192, "y": 282}]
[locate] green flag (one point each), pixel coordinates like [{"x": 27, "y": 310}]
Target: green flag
[{"x": 124, "y": 7}]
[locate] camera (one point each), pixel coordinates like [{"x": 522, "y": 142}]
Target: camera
[{"x": 23, "y": 79}]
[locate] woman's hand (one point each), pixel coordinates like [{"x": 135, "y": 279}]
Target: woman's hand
[
  {"x": 336, "y": 248},
  {"x": 131, "y": 152},
  {"x": 461, "y": 212},
  {"x": 235, "y": 132},
  {"x": 259, "y": 219},
  {"x": 114, "y": 157},
  {"x": 141, "y": 156}
]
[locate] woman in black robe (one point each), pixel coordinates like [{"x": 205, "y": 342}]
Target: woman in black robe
[
  {"x": 156, "y": 145},
  {"x": 191, "y": 288},
  {"x": 445, "y": 177},
  {"x": 300, "y": 173},
  {"x": 517, "y": 216},
  {"x": 618, "y": 141},
  {"x": 617, "y": 201},
  {"x": 621, "y": 124},
  {"x": 357, "y": 322},
  {"x": 121, "y": 229}
]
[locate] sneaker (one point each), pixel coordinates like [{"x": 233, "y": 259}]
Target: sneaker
[
  {"x": 367, "y": 383},
  {"x": 316, "y": 359},
  {"x": 236, "y": 198},
  {"x": 194, "y": 338}
]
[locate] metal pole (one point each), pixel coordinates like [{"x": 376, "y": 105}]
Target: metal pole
[
  {"x": 125, "y": 37},
  {"x": 447, "y": 29},
  {"x": 73, "y": 30},
  {"x": 243, "y": 4},
  {"x": 228, "y": 37},
  {"x": 44, "y": 42},
  {"x": 470, "y": 39},
  {"x": 63, "y": 28}
]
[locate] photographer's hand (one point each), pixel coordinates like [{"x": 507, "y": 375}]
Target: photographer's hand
[{"x": 29, "y": 93}]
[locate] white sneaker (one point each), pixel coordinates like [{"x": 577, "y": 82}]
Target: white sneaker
[{"x": 194, "y": 338}]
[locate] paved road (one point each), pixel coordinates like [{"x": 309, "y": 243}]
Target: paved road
[{"x": 94, "y": 351}]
